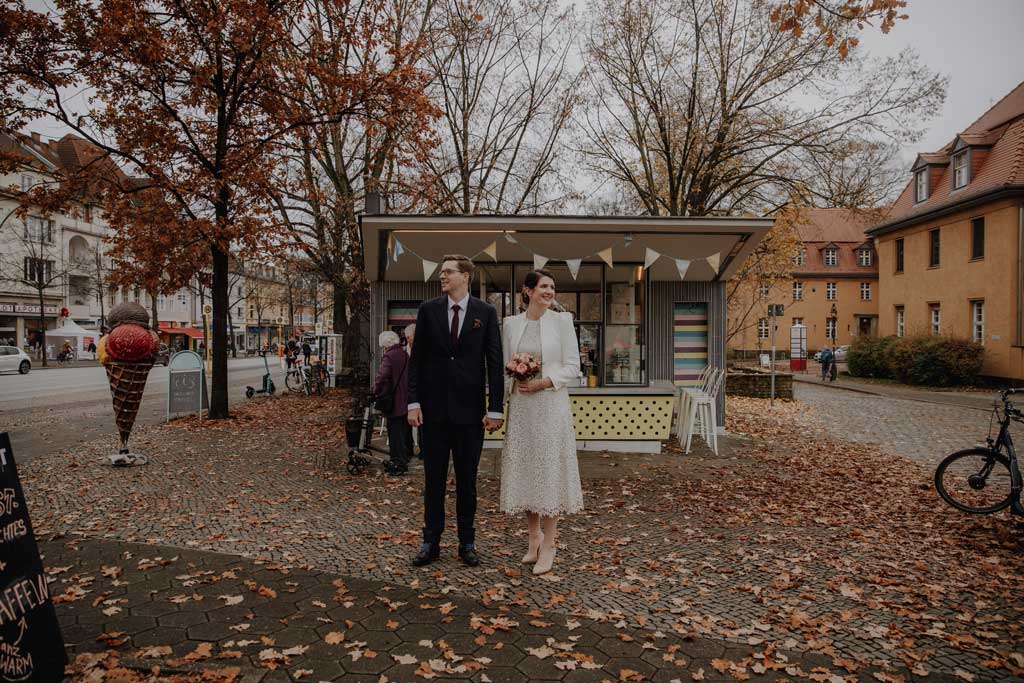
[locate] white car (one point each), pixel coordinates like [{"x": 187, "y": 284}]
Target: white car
[
  {"x": 14, "y": 359},
  {"x": 840, "y": 354}
]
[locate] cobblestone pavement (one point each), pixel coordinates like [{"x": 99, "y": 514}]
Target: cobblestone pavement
[
  {"x": 745, "y": 547},
  {"x": 923, "y": 432},
  {"x": 189, "y": 610}
]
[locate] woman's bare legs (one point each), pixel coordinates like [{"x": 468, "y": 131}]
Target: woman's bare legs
[
  {"x": 533, "y": 526},
  {"x": 546, "y": 554}
]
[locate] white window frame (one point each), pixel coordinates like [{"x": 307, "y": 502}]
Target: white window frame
[
  {"x": 765, "y": 291},
  {"x": 831, "y": 257},
  {"x": 901, "y": 321},
  {"x": 920, "y": 186},
  {"x": 864, "y": 257},
  {"x": 935, "y": 318},
  {"x": 26, "y": 182},
  {"x": 797, "y": 321},
  {"x": 978, "y": 321},
  {"x": 831, "y": 291},
  {"x": 961, "y": 173},
  {"x": 800, "y": 258},
  {"x": 798, "y": 291},
  {"x": 830, "y": 329},
  {"x": 39, "y": 229},
  {"x": 762, "y": 328},
  {"x": 865, "y": 291}
]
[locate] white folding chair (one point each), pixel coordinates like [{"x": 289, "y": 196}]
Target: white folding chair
[{"x": 701, "y": 411}]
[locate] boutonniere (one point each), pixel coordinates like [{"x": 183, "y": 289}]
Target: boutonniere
[{"x": 476, "y": 323}]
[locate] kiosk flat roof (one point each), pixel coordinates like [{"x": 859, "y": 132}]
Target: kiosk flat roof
[{"x": 562, "y": 237}]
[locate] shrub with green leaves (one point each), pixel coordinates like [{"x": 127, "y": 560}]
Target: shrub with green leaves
[{"x": 925, "y": 360}]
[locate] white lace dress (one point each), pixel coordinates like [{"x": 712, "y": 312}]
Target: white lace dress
[{"x": 539, "y": 471}]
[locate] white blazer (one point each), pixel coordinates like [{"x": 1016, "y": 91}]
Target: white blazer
[{"x": 560, "y": 349}]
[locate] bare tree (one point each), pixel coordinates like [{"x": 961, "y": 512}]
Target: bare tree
[
  {"x": 500, "y": 73},
  {"x": 704, "y": 107}
]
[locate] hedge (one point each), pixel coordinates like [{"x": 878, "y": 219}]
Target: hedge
[{"x": 926, "y": 360}]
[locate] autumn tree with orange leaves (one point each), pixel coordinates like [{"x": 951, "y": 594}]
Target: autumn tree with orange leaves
[{"x": 195, "y": 97}]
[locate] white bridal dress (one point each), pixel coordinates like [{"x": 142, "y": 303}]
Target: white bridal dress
[{"x": 539, "y": 471}]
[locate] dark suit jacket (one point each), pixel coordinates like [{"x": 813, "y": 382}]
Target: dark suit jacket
[
  {"x": 449, "y": 384},
  {"x": 393, "y": 376}
]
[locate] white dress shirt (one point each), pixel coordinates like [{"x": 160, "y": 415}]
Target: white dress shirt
[{"x": 462, "y": 322}]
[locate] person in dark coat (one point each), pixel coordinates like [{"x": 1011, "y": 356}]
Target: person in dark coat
[
  {"x": 393, "y": 380},
  {"x": 827, "y": 361}
]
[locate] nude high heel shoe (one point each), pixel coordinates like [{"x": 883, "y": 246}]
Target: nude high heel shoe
[
  {"x": 545, "y": 559},
  {"x": 534, "y": 547}
]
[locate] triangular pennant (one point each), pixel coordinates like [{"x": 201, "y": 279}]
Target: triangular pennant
[
  {"x": 398, "y": 250},
  {"x": 713, "y": 261},
  {"x": 606, "y": 256},
  {"x": 391, "y": 241},
  {"x": 574, "y": 266},
  {"x": 682, "y": 265},
  {"x": 650, "y": 256},
  {"x": 428, "y": 269},
  {"x": 510, "y": 238},
  {"x": 492, "y": 251},
  {"x": 539, "y": 261}
]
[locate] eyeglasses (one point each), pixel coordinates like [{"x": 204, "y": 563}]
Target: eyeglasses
[{"x": 449, "y": 272}]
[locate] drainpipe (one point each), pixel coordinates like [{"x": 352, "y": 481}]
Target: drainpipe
[{"x": 1020, "y": 273}]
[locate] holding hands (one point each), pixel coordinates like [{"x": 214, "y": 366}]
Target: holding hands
[{"x": 532, "y": 386}]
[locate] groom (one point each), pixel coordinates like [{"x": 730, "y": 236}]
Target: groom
[{"x": 457, "y": 352}]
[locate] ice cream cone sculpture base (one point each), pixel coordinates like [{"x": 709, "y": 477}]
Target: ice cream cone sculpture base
[{"x": 127, "y": 382}]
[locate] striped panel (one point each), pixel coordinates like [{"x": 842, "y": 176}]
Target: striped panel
[
  {"x": 402, "y": 313},
  {"x": 689, "y": 342}
]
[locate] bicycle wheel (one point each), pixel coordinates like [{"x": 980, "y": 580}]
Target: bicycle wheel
[
  {"x": 976, "y": 480},
  {"x": 293, "y": 380}
]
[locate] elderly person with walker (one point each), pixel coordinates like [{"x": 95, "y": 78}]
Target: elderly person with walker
[{"x": 391, "y": 392}]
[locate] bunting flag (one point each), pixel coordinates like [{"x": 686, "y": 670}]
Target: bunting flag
[
  {"x": 628, "y": 239},
  {"x": 492, "y": 251},
  {"x": 398, "y": 250},
  {"x": 391, "y": 241},
  {"x": 574, "y": 266},
  {"x": 682, "y": 265},
  {"x": 713, "y": 261},
  {"x": 539, "y": 261},
  {"x": 428, "y": 269},
  {"x": 510, "y": 238},
  {"x": 606, "y": 256},
  {"x": 650, "y": 256}
]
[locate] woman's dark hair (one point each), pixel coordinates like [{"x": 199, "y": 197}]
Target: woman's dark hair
[{"x": 531, "y": 282}]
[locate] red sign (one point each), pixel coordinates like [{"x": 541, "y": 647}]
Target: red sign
[{"x": 64, "y": 312}]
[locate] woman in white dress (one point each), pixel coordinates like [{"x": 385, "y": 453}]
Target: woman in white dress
[{"x": 539, "y": 472}]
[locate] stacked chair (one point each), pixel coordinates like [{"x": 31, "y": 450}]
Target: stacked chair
[{"x": 697, "y": 409}]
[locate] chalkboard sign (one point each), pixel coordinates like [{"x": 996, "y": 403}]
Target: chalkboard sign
[
  {"x": 31, "y": 647},
  {"x": 186, "y": 384}
]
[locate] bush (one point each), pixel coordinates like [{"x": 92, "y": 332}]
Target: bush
[{"x": 921, "y": 359}]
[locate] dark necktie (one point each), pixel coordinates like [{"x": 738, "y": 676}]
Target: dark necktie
[{"x": 455, "y": 325}]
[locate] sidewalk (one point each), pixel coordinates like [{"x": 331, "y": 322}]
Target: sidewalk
[{"x": 964, "y": 399}]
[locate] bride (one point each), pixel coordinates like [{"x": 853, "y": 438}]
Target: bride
[{"x": 539, "y": 472}]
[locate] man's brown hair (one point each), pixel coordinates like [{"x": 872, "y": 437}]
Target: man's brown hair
[{"x": 462, "y": 262}]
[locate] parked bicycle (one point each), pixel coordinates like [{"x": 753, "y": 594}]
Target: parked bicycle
[
  {"x": 295, "y": 378},
  {"x": 317, "y": 377},
  {"x": 985, "y": 480}
]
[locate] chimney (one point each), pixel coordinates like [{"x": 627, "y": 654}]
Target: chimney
[
  {"x": 371, "y": 205},
  {"x": 36, "y": 138}
]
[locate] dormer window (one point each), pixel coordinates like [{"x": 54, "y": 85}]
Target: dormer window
[
  {"x": 921, "y": 185},
  {"x": 864, "y": 257},
  {"x": 798, "y": 260},
  {"x": 831, "y": 256},
  {"x": 961, "y": 168}
]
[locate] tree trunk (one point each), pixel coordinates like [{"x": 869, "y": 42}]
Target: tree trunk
[
  {"x": 219, "y": 343},
  {"x": 42, "y": 326},
  {"x": 155, "y": 324}
]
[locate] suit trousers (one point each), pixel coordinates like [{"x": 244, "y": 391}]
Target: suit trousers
[{"x": 463, "y": 443}]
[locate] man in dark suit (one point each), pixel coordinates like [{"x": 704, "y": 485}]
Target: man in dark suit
[{"x": 456, "y": 390}]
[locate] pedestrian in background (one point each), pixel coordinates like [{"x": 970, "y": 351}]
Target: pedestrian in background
[
  {"x": 307, "y": 351},
  {"x": 391, "y": 392},
  {"x": 827, "y": 358}
]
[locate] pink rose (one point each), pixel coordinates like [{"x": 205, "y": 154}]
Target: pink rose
[{"x": 521, "y": 367}]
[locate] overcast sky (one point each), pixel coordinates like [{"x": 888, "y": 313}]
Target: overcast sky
[{"x": 979, "y": 45}]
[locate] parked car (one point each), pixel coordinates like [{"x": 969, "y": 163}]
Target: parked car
[
  {"x": 14, "y": 359},
  {"x": 840, "y": 354},
  {"x": 163, "y": 356}
]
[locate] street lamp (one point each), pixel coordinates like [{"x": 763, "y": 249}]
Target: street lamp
[{"x": 834, "y": 315}]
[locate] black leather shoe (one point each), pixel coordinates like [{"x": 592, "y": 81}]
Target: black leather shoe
[
  {"x": 467, "y": 553},
  {"x": 428, "y": 553}
]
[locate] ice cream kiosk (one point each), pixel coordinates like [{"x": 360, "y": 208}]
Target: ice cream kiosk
[{"x": 647, "y": 295}]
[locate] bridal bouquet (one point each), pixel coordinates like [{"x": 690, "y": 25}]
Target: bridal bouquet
[{"x": 522, "y": 367}]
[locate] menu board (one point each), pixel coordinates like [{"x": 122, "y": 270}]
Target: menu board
[{"x": 31, "y": 647}]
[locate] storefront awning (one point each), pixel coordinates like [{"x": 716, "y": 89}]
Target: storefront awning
[
  {"x": 715, "y": 247},
  {"x": 191, "y": 332}
]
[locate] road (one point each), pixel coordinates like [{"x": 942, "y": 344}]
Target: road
[{"x": 47, "y": 411}]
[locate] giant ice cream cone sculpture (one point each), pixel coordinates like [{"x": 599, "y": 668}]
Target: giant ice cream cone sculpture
[{"x": 127, "y": 353}]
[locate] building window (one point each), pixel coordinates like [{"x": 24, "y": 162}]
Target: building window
[
  {"x": 935, "y": 315},
  {"x": 765, "y": 291},
  {"x": 800, "y": 258},
  {"x": 865, "y": 291},
  {"x": 238, "y": 311},
  {"x": 183, "y": 301},
  {"x": 899, "y": 255},
  {"x": 830, "y": 329},
  {"x": 831, "y": 256},
  {"x": 830, "y": 291},
  {"x": 39, "y": 229},
  {"x": 901, "y": 321},
  {"x": 864, "y": 257},
  {"x": 26, "y": 182},
  {"x": 762, "y": 328},
  {"x": 161, "y": 301},
  {"x": 798, "y": 321},
  {"x": 135, "y": 295},
  {"x": 978, "y": 237},
  {"x": 921, "y": 185},
  {"x": 934, "y": 251},
  {"x": 798, "y": 291},
  {"x": 38, "y": 270},
  {"x": 960, "y": 170},
  {"x": 978, "y": 321}
]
